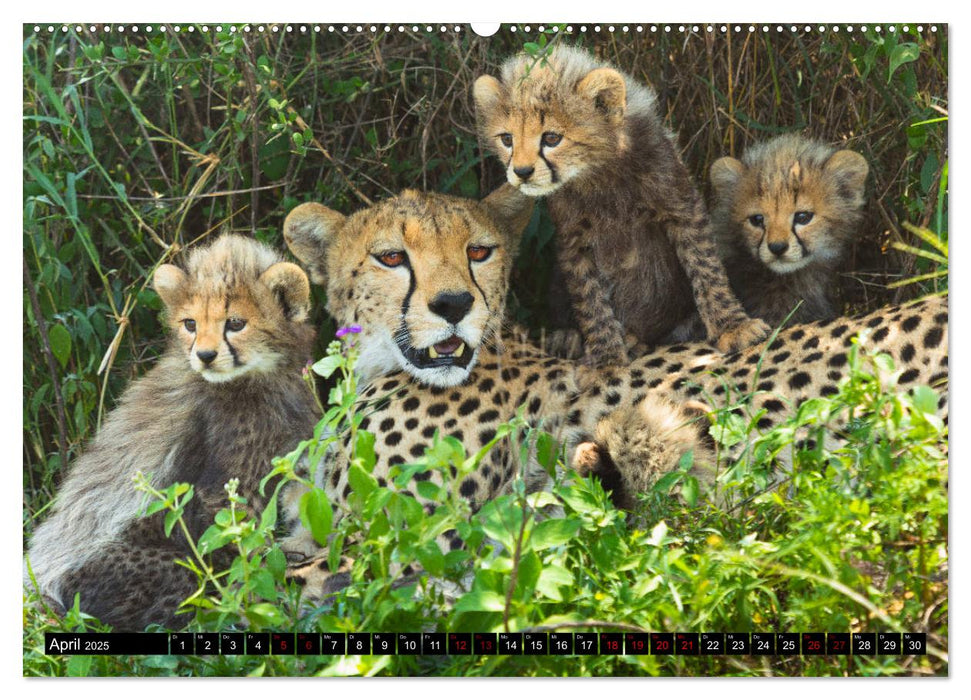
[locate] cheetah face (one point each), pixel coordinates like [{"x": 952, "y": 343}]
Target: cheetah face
[
  {"x": 782, "y": 241},
  {"x": 236, "y": 310},
  {"x": 550, "y": 123},
  {"x": 219, "y": 340},
  {"x": 423, "y": 275},
  {"x": 793, "y": 202}
]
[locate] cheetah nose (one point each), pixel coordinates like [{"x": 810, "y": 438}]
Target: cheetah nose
[
  {"x": 778, "y": 247},
  {"x": 207, "y": 356},
  {"x": 451, "y": 307},
  {"x": 524, "y": 173}
]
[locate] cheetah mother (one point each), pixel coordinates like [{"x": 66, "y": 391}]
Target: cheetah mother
[{"x": 425, "y": 276}]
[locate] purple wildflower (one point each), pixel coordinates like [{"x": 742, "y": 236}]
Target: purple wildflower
[{"x": 354, "y": 328}]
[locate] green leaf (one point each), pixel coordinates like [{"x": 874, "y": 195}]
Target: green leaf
[
  {"x": 265, "y": 615},
  {"x": 269, "y": 516},
  {"x": 408, "y": 509},
  {"x": 212, "y": 539},
  {"x": 883, "y": 362},
  {"x": 658, "y": 534},
  {"x": 154, "y": 507},
  {"x": 169, "y": 663},
  {"x": 316, "y": 514},
  {"x": 925, "y": 399},
  {"x": 60, "y": 340},
  {"x": 376, "y": 501},
  {"x": 581, "y": 501},
  {"x": 79, "y": 666},
  {"x": 607, "y": 552},
  {"x": 274, "y": 157},
  {"x": 547, "y": 450},
  {"x": 361, "y": 482},
  {"x": 364, "y": 450},
  {"x": 551, "y": 533},
  {"x": 428, "y": 490},
  {"x": 379, "y": 526},
  {"x": 431, "y": 558},
  {"x": 276, "y": 563},
  {"x": 501, "y": 520},
  {"x": 171, "y": 518},
  {"x": 901, "y": 54},
  {"x": 529, "y": 570},
  {"x": 262, "y": 584},
  {"x": 552, "y": 579},
  {"x": 687, "y": 461},
  {"x": 728, "y": 430},
  {"x": 334, "y": 554},
  {"x": 480, "y": 601},
  {"x": 689, "y": 490},
  {"x": 664, "y": 484},
  {"x": 328, "y": 365}
]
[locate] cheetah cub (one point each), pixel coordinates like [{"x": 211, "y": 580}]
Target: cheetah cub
[
  {"x": 224, "y": 399},
  {"x": 634, "y": 239},
  {"x": 635, "y": 446},
  {"x": 783, "y": 217}
]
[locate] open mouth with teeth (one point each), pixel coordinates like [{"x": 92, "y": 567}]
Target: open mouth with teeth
[{"x": 452, "y": 352}]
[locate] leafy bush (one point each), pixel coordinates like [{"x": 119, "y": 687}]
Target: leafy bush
[{"x": 854, "y": 538}]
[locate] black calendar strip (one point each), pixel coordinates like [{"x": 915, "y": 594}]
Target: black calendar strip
[{"x": 490, "y": 643}]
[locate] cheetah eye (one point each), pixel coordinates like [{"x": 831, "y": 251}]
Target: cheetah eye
[
  {"x": 190, "y": 324},
  {"x": 552, "y": 139},
  {"x": 802, "y": 217},
  {"x": 235, "y": 324},
  {"x": 506, "y": 140},
  {"x": 757, "y": 220},
  {"x": 478, "y": 253},
  {"x": 392, "y": 258}
]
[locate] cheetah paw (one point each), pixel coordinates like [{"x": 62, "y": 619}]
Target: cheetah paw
[
  {"x": 587, "y": 458},
  {"x": 744, "y": 335},
  {"x": 565, "y": 343}
]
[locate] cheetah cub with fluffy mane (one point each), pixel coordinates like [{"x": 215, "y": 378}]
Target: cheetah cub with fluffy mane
[
  {"x": 634, "y": 239},
  {"x": 224, "y": 399},
  {"x": 783, "y": 216}
]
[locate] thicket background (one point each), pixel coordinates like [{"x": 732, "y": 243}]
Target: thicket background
[{"x": 137, "y": 145}]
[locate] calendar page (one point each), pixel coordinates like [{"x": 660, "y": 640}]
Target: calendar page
[{"x": 423, "y": 349}]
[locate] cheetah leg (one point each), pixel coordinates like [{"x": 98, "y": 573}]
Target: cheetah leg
[
  {"x": 565, "y": 343},
  {"x": 602, "y": 332},
  {"x": 725, "y": 320}
]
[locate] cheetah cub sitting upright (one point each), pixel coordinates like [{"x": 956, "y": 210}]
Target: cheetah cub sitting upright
[
  {"x": 634, "y": 239},
  {"x": 225, "y": 398},
  {"x": 783, "y": 217}
]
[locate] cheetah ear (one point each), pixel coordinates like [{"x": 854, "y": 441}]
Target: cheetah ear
[
  {"x": 510, "y": 209},
  {"x": 725, "y": 173},
  {"x": 309, "y": 230},
  {"x": 487, "y": 92},
  {"x": 606, "y": 88},
  {"x": 850, "y": 170},
  {"x": 169, "y": 283},
  {"x": 292, "y": 289}
]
